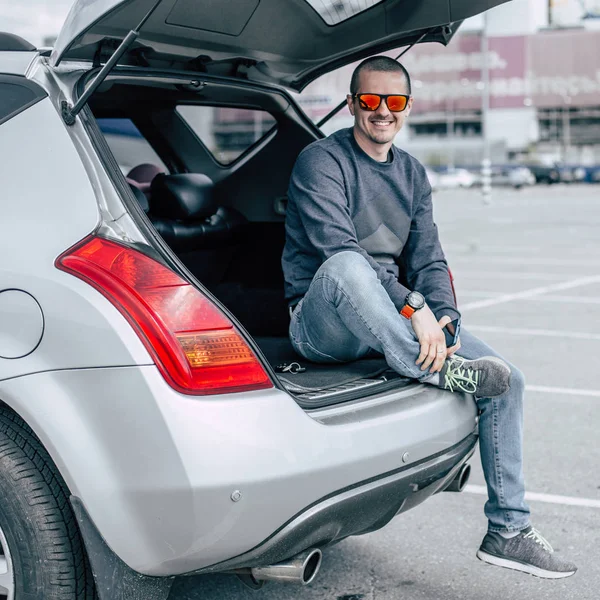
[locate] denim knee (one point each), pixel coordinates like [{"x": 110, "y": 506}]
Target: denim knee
[
  {"x": 517, "y": 379},
  {"x": 346, "y": 267}
]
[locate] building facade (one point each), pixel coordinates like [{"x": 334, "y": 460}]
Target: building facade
[{"x": 544, "y": 61}]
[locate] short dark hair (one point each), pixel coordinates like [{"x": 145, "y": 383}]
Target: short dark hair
[{"x": 378, "y": 63}]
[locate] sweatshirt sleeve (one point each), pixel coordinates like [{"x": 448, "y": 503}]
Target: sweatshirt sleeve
[
  {"x": 424, "y": 261},
  {"x": 318, "y": 192}
]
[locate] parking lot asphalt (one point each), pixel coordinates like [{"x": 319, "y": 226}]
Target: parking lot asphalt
[{"x": 527, "y": 275}]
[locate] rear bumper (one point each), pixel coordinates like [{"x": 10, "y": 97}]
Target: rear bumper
[
  {"x": 158, "y": 472},
  {"x": 360, "y": 509}
]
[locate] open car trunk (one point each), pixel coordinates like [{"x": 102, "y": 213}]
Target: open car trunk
[
  {"x": 235, "y": 253},
  {"x": 237, "y": 58},
  {"x": 189, "y": 54}
]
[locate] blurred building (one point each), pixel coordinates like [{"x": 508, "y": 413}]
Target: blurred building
[
  {"x": 544, "y": 96},
  {"x": 544, "y": 59}
]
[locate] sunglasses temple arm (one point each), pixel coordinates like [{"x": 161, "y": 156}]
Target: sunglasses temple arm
[{"x": 341, "y": 105}]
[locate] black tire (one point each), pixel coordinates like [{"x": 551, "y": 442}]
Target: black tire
[{"x": 48, "y": 555}]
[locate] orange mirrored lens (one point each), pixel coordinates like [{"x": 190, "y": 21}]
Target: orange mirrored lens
[
  {"x": 369, "y": 101},
  {"x": 396, "y": 103},
  {"x": 373, "y": 101}
]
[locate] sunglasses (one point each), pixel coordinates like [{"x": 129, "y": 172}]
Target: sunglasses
[{"x": 371, "y": 102}]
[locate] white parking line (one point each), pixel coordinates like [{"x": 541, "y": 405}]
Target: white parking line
[
  {"x": 576, "y": 335},
  {"x": 475, "y": 294},
  {"x": 537, "y": 497},
  {"x": 568, "y": 299},
  {"x": 544, "y": 389},
  {"x": 567, "y": 285}
]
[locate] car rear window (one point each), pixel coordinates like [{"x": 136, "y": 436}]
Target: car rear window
[
  {"x": 227, "y": 132},
  {"x": 337, "y": 11},
  {"x": 129, "y": 146}
]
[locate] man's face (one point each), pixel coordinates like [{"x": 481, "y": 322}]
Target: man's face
[{"x": 379, "y": 126}]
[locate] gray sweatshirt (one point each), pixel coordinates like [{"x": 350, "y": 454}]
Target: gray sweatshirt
[{"x": 341, "y": 199}]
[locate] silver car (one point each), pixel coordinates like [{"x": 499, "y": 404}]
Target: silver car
[{"x": 154, "y": 421}]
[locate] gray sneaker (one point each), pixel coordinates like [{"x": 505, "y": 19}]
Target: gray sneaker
[
  {"x": 528, "y": 552},
  {"x": 485, "y": 377}
]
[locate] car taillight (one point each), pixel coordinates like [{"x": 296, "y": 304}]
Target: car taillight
[{"x": 193, "y": 343}]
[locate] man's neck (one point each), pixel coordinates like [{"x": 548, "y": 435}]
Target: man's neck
[{"x": 378, "y": 152}]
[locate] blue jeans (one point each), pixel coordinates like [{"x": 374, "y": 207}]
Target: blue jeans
[{"x": 347, "y": 314}]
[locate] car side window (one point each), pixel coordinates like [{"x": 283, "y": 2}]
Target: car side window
[
  {"x": 17, "y": 94},
  {"x": 128, "y": 145},
  {"x": 227, "y": 132}
]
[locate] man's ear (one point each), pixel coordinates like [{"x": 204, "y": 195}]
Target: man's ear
[
  {"x": 350, "y": 102},
  {"x": 408, "y": 106}
]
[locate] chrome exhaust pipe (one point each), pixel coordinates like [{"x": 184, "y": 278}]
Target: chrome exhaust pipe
[
  {"x": 460, "y": 479},
  {"x": 302, "y": 569}
]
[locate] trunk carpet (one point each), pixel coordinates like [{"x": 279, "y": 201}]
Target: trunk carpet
[{"x": 278, "y": 350}]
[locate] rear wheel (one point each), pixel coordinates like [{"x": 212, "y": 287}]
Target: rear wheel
[
  {"x": 41, "y": 551},
  {"x": 7, "y": 585}
]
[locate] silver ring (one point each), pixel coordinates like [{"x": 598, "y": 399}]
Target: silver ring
[{"x": 440, "y": 351}]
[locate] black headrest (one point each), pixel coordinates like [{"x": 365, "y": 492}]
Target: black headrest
[
  {"x": 184, "y": 197},
  {"x": 144, "y": 173},
  {"x": 139, "y": 196}
]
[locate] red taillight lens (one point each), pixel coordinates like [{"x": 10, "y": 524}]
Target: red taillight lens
[{"x": 195, "y": 346}]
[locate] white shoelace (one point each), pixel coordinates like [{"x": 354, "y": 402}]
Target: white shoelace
[
  {"x": 457, "y": 377},
  {"x": 538, "y": 538}
]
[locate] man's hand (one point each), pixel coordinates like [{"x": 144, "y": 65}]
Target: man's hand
[
  {"x": 450, "y": 351},
  {"x": 431, "y": 338}
]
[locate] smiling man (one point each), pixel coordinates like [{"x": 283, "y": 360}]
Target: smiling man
[{"x": 359, "y": 207}]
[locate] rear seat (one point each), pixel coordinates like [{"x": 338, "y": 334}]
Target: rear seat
[
  {"x": 209, "y": 240},
  {"x": 184, "y": 210}
]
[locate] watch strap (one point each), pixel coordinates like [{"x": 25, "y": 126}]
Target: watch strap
[{"x": 407, "y": 311}]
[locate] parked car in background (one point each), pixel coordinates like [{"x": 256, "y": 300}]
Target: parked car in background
[
  {"x": 520, "y": 177},
  {"x": 566, "y": 173},
  {"x": 579, "y": 173},
  {"x": 571, "y": 173},
  {"x": 456, "y": 178},
  {"x": 593, "y": 174},
  {"x": 512, "y": 176},
  {"x": 544, "y": 173}
]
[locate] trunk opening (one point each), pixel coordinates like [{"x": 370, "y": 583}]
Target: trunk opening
[{"x": 223, "y": 214}]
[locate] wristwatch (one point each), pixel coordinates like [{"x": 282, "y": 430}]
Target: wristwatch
[{"x": 414, "y": 301}]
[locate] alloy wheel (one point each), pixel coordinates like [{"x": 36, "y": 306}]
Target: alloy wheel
[{"x": 7, "y": 580}]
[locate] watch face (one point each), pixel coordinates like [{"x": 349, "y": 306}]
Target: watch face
[{"x": 415, "y": 300}]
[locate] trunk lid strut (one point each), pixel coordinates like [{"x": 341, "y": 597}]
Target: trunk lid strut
[{"x": 69, "y": 113}]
